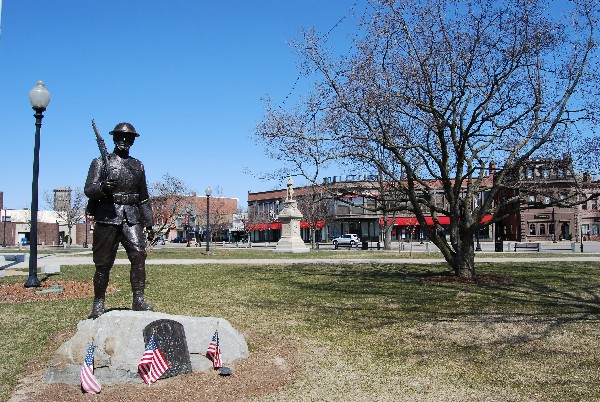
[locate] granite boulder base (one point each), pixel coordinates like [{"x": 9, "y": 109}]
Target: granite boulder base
[{"x": 119, "y": 339}]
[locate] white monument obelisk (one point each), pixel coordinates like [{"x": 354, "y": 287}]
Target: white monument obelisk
[{"x": 290, "y": 218}]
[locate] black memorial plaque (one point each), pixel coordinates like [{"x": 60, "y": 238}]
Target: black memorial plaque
[{"x": 170, "y": 338}]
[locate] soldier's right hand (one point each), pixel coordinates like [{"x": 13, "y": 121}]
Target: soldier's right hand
[{"x": 108, "y": 186}]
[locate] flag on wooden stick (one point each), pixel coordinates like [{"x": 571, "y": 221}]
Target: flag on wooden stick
[
  {"x": 89, "y": 383},
  {"x": 214, "y": 351},
  {"x": 153, "y": 363}
]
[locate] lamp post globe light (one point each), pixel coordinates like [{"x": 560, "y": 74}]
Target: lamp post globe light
[
  {"x": 208, "y": 192},
  {"x": 39, "y": 98}
]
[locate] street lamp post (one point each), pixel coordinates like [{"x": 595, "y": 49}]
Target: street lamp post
[
  {"x": 276, "y": 215},
  {"x": 85, "y": 244},
  {"x": 478, "y": 247},
  {"x": 553, "y": 227},
  {"x": 208, "y": 192},
  {"x": 269, "y": 226},
  {"x": 39, "y": 98},
  {"x": 186, "y": 226}
]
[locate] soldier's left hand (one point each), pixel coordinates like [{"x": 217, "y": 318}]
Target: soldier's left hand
[{"x": 150, "y": 233}]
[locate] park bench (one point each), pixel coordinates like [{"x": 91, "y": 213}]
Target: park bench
[
  {"x": 528, "y": 246},
  {"x": 564, "y": 247}
]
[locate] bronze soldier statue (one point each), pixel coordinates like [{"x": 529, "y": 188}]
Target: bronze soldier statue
[{"x": 121, "y": 208}]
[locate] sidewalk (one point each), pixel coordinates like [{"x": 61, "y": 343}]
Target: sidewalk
[{"x": 62, "y": 259}]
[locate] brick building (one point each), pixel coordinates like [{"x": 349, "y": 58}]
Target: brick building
[
  {"x": 533, "y": 219},
  {"x": 187, "y": 219},
  {"x": 541, "y": 184}
]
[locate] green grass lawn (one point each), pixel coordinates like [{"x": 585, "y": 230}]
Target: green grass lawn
[{"x": 529, "y": 331}]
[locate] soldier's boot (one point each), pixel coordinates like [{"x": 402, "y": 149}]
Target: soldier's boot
[
  {"x": 137, "y": 277},
  {"x": 100, "y": 285},
  {"x": 139, "y": 304},
  {"x": 97, "y": 308}
]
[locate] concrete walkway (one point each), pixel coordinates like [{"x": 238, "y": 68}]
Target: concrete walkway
[{"x": 85, "y": 258}]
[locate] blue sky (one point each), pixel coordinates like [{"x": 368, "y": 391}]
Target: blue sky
[{"x": 190, "y": 75}]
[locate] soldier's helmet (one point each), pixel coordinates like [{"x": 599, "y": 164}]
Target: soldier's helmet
[{"x": 125, "y": 128}]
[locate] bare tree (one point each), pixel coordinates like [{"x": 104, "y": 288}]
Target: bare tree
[
  {"x": 221, "y": 213},
  {"x": 169, "y": 198},
  {"x": 314, "y": 204},
  {"x": 448, "y": 87},
  {"x": 71, "y": 210}
]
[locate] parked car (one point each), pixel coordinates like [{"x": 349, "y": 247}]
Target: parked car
[
  {"x": 350, "y": 240},
  {"x": 179, "y": 239}
]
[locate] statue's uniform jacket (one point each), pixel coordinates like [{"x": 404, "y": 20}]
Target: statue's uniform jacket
[{"x": 130, "y": 201}]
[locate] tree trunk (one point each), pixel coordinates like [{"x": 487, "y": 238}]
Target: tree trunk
[
  {"x": 463, "y": 262},
  {"x": 387, "y": 237},
  {"x": 70, "y": 239}
]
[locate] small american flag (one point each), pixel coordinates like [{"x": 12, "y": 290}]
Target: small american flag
[
  {"x": 214, "y": 351},
  {"x": 153, "y": 363},
  {"x": 89, "y": 383}
]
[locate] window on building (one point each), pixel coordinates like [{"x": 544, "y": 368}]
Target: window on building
[
  {"x": 532, "y": 229},
  {"x": 532, "y": 199},
  {"x": 584, "y": 205},
  {"x": 551, "y": 228},
  {"x": 542, "y": 229},
  {"x": 585, "y": 229},
  {"x": 547, "y": 200},
  {"x": 545, "y": 173},
  {"x": 594, "y": 203},
  {"x": 530, "y": 173},
  {"x": 595, "y": 229}
]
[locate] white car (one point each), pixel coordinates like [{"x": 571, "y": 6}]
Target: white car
[{"x": 346, "y": 240}]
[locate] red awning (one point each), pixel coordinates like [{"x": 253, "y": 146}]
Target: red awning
[
  {"x": 265, "y": 226},
  {"x": 443, "y": 220},
  {"x": 487, "y": 218},
  {"x": 403, "y": 222},
  {"x": 307, "y": 225},
  {"x": 258, "y": 226}
]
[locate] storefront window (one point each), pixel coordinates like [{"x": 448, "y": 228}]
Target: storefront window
[
  {"x": 542, "y": 229},
  {"x": 595, "y": 229},
  {"x": 532, "y": 229},
  {"x": 585, "y": 228}
]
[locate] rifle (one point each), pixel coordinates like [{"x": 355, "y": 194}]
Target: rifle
[
  {"x": 102, "y": 148},
  {"x": 93, "y": 204}
]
